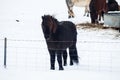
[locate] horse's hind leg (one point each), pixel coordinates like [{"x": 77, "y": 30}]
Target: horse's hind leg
[
  {"x": 59, "y": 59},
  {"x": 52, "y": 59},
  {"x": 71, "y": 56},
  {"x": 71, "y": 13},
  {"x": 65, "y": 57}
]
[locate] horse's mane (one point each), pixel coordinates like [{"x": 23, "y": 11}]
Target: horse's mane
[{"x": 52, "y": 22}]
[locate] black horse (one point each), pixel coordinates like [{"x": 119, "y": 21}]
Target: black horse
[
  {"x": 59, "y": 36},
  {"x": 112, "y": 5}
]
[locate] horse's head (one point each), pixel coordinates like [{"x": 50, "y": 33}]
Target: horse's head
[{"x": 49, "y": 26}]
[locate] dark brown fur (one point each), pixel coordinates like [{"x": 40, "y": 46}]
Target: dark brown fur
[{"x": 60, "y": 36}]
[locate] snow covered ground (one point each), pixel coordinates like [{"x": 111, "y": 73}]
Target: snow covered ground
[{"x": 27, "y": 55}]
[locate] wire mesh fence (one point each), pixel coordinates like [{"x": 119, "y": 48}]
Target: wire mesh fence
[{"x": 33, "y": 55}]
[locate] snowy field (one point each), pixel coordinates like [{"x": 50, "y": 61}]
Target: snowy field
[{"x": 27, "y": 55}]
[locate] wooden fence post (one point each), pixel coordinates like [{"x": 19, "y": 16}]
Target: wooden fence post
[{"x": 5, "y": 52}]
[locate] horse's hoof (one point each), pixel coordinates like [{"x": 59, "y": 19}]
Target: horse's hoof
[
  {"x": 65, "y": 64},
  {"x": 88, "y": 15},
  {"x": 61, "y": 68},
  {"x": 52, "y": 68},
  {"x": 71, "y": 63},
  {"x": 69, "y": 16},
  {"x": 73, "y": 16}
]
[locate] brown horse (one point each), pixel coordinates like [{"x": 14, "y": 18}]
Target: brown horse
[
  {"x": 59, "y": 36},
  {"x": 97, "y": 8}
]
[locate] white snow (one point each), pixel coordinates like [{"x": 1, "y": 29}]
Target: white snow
[{"x": 27, "y": 55}]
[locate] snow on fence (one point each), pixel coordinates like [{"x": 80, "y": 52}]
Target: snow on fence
[{"x": 33, "y": 54}]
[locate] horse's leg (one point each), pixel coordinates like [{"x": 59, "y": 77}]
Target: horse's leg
[
  {"x": 71, "y": 56},
  {"x": 102, "y": 15},
  {"x": 71, "y": 13},
  {"x": 59, "y": 59},
  {"x": 96, "y": 18},
  {"x": 52, "y": 59},
  {"x": 99, "y": 17},
  {"x": 65, "y": 57},
  {"x": 93, "y": 17},
  {"x": 88, "y": 14},
  {"x": 93, "y": 12},
  {"x": 70, "y": 5},
  {"x": 84, "y": 14},
  {"x": 85, "y": 11}
]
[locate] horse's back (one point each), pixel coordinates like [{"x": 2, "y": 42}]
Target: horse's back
[
  {"x": 79, "y": 3},
  {"x": 68, "y": 26},
  {"x": 67, "y": 30},
  {"x": 82, "y": 3},
  {"x": 98, "y": 4}
]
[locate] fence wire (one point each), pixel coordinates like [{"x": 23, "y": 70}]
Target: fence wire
[{"x": 33, "y": 55}]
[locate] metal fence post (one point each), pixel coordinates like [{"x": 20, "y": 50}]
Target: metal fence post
[{"x": 5, "y": 52}]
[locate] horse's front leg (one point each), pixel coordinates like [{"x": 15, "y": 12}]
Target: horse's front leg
[
  {"x": 59, "y": 59},
  {"x": 52, "y": 59}
]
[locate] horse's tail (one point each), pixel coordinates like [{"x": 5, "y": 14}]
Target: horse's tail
[
  {"x": 75, "y": 57},
  {"x": 73, "y": 54}
]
